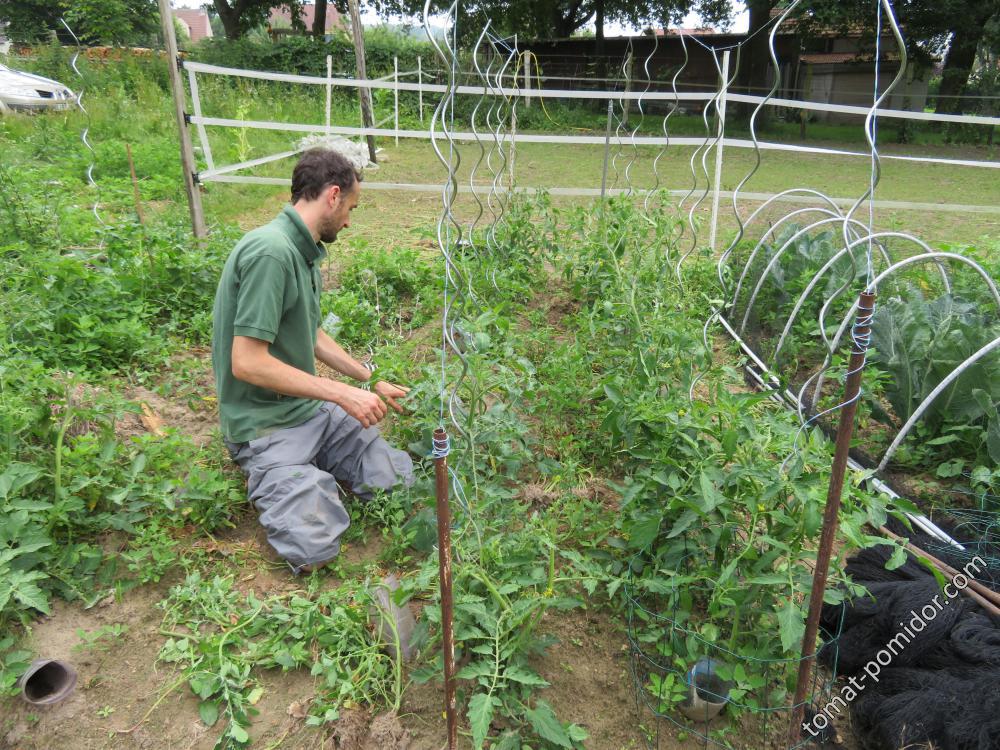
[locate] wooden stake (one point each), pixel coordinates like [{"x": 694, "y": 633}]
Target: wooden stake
[
  {"x": 444, "y": 566},
  {"x": 842, "y": 447},
  {"x": 198, "y": 227},
  {"x": 985, "y": 597},
  {"x": 365, "y": 94},
  {"x": 135, "y": 184}
]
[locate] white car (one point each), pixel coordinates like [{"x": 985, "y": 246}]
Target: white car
[{"x": 27, "y": 92}]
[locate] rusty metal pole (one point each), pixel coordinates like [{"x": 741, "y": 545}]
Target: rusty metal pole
[
  {"x": 842, "y": 447},
  {"x": 444, "y": 565}
]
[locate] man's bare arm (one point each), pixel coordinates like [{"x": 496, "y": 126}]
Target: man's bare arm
[
  {"x": 254, "y": 364},
  {"x": 332, "y": 354}
]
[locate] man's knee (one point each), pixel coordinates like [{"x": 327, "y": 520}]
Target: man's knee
[
  {"x": 301, "y": 510},
  {"x": 383, "y": 467}
]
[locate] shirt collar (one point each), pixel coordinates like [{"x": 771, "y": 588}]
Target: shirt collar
[{"x": 300, "y": 235}]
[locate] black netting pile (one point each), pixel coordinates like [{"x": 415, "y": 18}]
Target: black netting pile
[{"x": 942, "y": 689}]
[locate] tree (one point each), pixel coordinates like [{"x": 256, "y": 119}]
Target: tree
[
  {"x": 93, "y": 21},
  {"x": 240, "y": 16},
  {"x": 954, "y": 29},
  {"x": 319, "y": 20},
  {"x": 959, "y": 26},
  {"x": 553, "y": 19}
]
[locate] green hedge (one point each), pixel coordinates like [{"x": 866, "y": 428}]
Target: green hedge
[{"x": 307, "y": 56}]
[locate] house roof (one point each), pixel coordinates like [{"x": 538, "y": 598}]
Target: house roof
[
  {"x": 699, "y": 31},
  {"x": 836, "y": 58},
  {"x": 842, "y": 31},
  {"x": 198, "y": 24},
  {"x": 334, "y": 20}
]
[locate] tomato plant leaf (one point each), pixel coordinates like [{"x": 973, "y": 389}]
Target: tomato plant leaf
[
  {"x": 480, "y": 715},
  {"x": 524, "y": 676},
  {"x": 209, "y": 712},
  {"x": 548, "y": 727},
  {"x": 791, "y": 625}
]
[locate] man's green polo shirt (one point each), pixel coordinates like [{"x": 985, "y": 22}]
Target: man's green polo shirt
[{"x": 269, "y": 290}]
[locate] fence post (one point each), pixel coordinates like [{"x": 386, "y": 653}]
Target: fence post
[
  {"x": 364, "y": 92},
  {"x": 513, "y": 144},
  {"x": 721, "y": 109},
  {"x": 420, "y": 89},
  {"x": 527, "y": 80},
  {"x": 187, "y": 150},
  {"x": 395, "y": 95},
  {"x": 329, "y": 89},
  {"x": 607, "y": 150}
]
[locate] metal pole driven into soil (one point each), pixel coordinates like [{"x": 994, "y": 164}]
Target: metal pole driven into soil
[
  {"x": 187, "y": 150},
  {"x": 444, "y": 565},
  {"x": 842, "y": 447}
]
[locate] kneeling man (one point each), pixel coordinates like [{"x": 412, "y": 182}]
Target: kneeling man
[{"x": 294, "y": 434}]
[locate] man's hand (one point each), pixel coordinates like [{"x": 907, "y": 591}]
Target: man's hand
[
  {"x": 390, "y": 393},
  {"x": 364, "y": 406}
]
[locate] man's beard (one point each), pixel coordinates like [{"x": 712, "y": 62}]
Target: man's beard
[{"x": 328, "y": 230}]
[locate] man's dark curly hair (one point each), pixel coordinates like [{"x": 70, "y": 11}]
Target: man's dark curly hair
[{"x": 318, "y": 169}]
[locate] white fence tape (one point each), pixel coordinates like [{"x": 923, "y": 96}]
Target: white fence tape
[
  {"x": 586, "y": 94},
  {"x": 416, "y": 187},
  {"x": 579, "y": 139},
  {"x": 215, "y": 172}
]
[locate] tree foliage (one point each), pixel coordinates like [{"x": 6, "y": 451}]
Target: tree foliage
[
  {"x": 240, "y": 16},
  {"x": 93, "y": 21},
  {"x": 541, "y": 19},
  {"x": 954, "y": 31}
]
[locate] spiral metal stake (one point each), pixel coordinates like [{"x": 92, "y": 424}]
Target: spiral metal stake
[
  {"x": 642, "y": 115},
  {"x": 704, "y": 149},
  {"x": 666, "y": 130},
  {"x": 441, "y": 450},
  {"x": 621, "y": 121},
  {"x": 479, "y": 142},
  {"x": 511, "y": 134},
  {"x": 852, "y": 392},
  {"x": 776, "y": 68},
  {"x": 498, "y": 198},
  {"x": 85, "y": 133},
  {"x": 449, "y": 231},
  {"x": 491, "y": 196}
]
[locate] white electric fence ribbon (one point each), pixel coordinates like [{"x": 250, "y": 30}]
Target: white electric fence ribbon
[
  {"x": 586, "y": 94},
  {"x": 576, "y": 139}
]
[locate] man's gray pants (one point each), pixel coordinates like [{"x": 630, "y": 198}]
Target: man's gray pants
[{"x": 292, "y": 477}]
